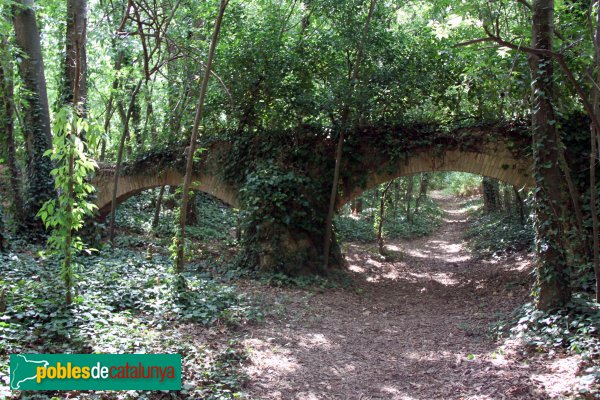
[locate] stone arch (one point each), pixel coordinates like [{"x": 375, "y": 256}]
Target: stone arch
[
  {"x": 130, "y": 185},
  {"x": 493, "y": 160}
]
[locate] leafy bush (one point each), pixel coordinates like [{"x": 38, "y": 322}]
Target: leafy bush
[
  {"x": 574, "y": 329},
  {"x": 361, "y": 228},
  {"x": 350, "y": 228},
  {"x": 497, "y": 235},
  {"x": 462, "y": 184}
]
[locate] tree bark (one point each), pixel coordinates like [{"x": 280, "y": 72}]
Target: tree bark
[
  {"x": 76, "y": 53},
  {"x": 159, "y": 199},
  {"x": 382, "y": 218},
  {"x": 7, "y": 115},
  {"x": 490, "y": 195},
  {"x": 520, "y": 206},
  {"x": 506, "y": 199},
  {"x": 424, "y": 185},
  {"x": 36, "y": 120},
  {"x": 549, "y": 194}
]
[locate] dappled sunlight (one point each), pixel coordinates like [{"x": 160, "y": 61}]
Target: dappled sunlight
[{"x": 415, "y": 325}]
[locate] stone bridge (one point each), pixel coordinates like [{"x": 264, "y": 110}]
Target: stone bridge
[
  {"x": 371, "y": 158},
  {"x": 494, "y": 157}
]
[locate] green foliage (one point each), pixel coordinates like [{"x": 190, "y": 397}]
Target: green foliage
[
  {"x": 113, "y": 314},
  {"x": 66, "y": 215},
  {"x": 498, "y": 235},
  {"x": 216, "y": 220},
  {"x": 461, "y": 183},
  {"x": 362, "y": 228},
  {"x": 574, "y": 329}
]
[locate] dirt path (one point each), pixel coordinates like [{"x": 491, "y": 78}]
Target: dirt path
[{"x": 417, "y": 328}]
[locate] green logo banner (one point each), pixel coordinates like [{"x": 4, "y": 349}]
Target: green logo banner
[{"x": 95, "y": 371}]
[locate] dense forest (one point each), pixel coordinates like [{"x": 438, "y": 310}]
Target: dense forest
[{"x": 304, "y": 198}]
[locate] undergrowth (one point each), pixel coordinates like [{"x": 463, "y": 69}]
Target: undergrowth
[
  {"x": 362, "y": 227},
  {"x": 125, "y": 302},
  {"x": 574, "y": 329},
  {"x": 497, "y": 235}
]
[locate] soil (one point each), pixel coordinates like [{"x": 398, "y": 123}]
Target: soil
[{"x": 417, "y": 325}]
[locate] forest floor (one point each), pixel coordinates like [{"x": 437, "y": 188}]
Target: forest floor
[{"x": 418, "y": 325}]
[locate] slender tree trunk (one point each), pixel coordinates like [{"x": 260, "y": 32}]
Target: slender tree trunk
[
  {"x": 520, "y": 206},
  {"x": 124, "y": 135},
  {"x": 593, "y": 207},
  {"x": 340, "y": 143},
  {"x": 422, "y": 191},
  {"x": 595, "y": 141},
  {"x": 506, "y": 198},
  {"x": 552, "y": 268},
  {"x": 409, "y": 196},
  {"x": 159, "y": 199},
  {"x": 2, "y": 238},
  {"x": 382, "y": 218},
  {"x": 36, "y": 121},
  {"x": 7, "y": 115},
  {"x": 194, "y": 137},
  {"x": 110, "y": 104}
]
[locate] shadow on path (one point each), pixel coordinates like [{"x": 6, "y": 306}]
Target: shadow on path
[{"x": 417, "y": 328}]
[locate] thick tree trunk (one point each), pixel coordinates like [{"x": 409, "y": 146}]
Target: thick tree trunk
[
  {"x": 550, "y": 193},
  {"x": 7, "y": 115},
  {"x": 76, "y": 53},
  {"x": 490, "y": 194},
  {"x": 36, "y": 121}
]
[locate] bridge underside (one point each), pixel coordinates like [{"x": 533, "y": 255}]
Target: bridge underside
[
  {"x": 130, "y": 185},
  {"x": 495, "y": 161}
]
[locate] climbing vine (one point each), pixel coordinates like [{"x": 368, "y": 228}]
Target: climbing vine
[{"x": 65, "y": 215}]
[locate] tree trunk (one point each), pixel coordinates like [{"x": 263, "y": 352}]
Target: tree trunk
[
  {"x": 76, "y": 53},
  {"x": 424, "y": 184},
  {"x": 192, "y": 212},
  {"x": 156, "y": 218},
  {"x": 506, "y": 198},
  {"x": 490, "y": 195},
  {"x": 409, "y": 196},
  {"x": 194, "y": 137},
  {"x": 381, "y": 218},
  {"x": 36, "y": 121},
  {"x": 340, "y": 142},
  {"x": 595, "y": 141},
  {"x": 124, "y": 135},
  {"x": 357, "y": 206},
  {"x": 7, "y": 115},
  {"x": 110, "y": 104},
  {"x": 552, "y": 269},
  {"x": 520, "y": 204}
]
